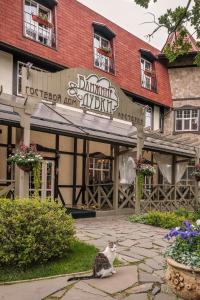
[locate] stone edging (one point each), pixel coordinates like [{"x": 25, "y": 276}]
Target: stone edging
[{"x": 44, "y": 278}]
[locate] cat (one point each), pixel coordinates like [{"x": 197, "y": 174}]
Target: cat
[{"x": 103, "y": 264}]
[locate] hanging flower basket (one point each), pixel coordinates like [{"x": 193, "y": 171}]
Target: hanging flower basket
[
  {"x": 42, "y": 21},
  {"x": 145, "y": 169},
  {"x": 25, "y": 158},
  {"x": 196, "y": 172},
  {"x": 25, "y": 168}
]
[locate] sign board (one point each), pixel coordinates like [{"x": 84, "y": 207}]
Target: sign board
[{"x": 80, "y": 88}]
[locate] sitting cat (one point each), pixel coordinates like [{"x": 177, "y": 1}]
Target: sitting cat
[{"x": 103, "y": 264}]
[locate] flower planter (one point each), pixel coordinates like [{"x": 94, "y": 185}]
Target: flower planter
[
  {"x": 104, "y": 52},
  {"x": 183, "y": 280},
  {"x": 25, "y": 168},
  {"x": 41, "y": 21}
]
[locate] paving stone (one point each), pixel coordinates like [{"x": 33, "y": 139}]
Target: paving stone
[
  {"x": 143, "y": 288},
  {"x": 162, "y": 296},
  {"x": 132, "y": 254},
  {"x": 156, "y": 290},
  {"x": 128, "y": 243},
  {"x": 59, "y": 294},
  {"x": 143, "y": 252},
  {"x": 145, "y": 268},
  {"x": 153, "y": 264},
  {"x": 127, "y": 259},
  {"x": 78, "y": 294},
  {"x": 137, "y": 297},
  {"x": 89, "y": 289},
  {"x": 122, "y": 280},
  {"x": 146, "y": 245},
  {"x": 146, "y": 277},
  {"x": 159, "y": 273}
]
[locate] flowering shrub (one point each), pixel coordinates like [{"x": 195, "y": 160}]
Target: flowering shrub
[
  {"x": 25, "y": 155},
  {"x": 186, "y": 246}
]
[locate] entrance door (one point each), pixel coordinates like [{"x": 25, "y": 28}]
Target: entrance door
[{"x": 46, "y": 189}]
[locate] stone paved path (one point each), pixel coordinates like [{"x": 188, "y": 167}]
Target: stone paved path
[{"x": 141, "y": 276}]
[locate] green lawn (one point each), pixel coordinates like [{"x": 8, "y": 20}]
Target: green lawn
[{"x": 80, "y": 259}]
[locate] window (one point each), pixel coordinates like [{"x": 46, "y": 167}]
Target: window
[
  {"x": 187, "y": 178},
  {"x": 148, "y": 117},
  {"x": 99, "y": 170},
  {"x": 148, "y": 78},
  {"x": 19, "y": 75},
  {"x": 103, "y": 54},
  {"x": 186, "y": 120},
  {"x": 38, "y": 23}
]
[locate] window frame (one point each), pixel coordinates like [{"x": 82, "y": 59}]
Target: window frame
[
  {"x": 150, "y": 77},
  {"x": 182, "y": 118},
  {"x": 93, "y": 161},
  {"x": 37, "y": 26},
  {"x": 110, "y": 60}
]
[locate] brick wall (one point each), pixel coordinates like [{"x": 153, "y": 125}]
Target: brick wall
[{"x": 75, "y": 45}]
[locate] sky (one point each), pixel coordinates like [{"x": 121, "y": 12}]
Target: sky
[{"x": 130, "y": 16}]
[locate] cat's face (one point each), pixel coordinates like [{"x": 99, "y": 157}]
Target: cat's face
[{"x": 112, "y": 246}]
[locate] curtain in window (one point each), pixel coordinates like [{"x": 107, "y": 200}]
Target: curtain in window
[
  {"x": 165, "y": 165},
  {"x": 180, "y": 170},
  {"x": 127, "y": 169}
]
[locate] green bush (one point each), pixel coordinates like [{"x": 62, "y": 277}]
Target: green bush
[
  {"x": 160, "y": 219},
  {"x": 33, "y": 232}
]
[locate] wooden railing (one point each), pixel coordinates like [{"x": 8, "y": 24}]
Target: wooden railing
[
  {"x": 167, "y": 197},
  {"x": 100, "y": 196},
  {"x": 7, "y": 188},
  {"x": 126, "y": 196}
]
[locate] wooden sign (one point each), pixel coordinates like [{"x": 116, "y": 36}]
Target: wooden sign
[{"x": 80, "y": 88}]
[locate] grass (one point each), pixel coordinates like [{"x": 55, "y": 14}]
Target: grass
[{"x": 80, "y": 258}]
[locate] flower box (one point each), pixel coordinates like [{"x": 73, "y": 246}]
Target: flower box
[
  {"x": 42, "y": 21},
  {"x": 105, "y": 51}
]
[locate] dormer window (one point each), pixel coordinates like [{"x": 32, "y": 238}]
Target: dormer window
[
  {"x": 38, "y": 23},
  {"x": 148, "y": 74},
  {"x": 103, "y": 48}
]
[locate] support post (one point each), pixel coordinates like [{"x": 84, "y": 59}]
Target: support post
[
  {"x": 138, "y": 187},
  {"x": 197, "y": 183},
  {"x": 116, "y": 178},
  {"x": 84, "y": 162}
]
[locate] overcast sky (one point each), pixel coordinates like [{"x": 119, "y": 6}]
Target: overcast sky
[{"x": 131, "y": 16}]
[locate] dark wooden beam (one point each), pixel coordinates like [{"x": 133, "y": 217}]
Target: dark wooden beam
[
  {"x": 84, "y": 170},
  {"x": 57, "y": 143},
  {"x": 9, "y": 149},
  {"x": 74, "y": 172}
]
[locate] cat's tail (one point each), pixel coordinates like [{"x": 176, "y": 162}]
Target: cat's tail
[{"x": 81, "y": 278}]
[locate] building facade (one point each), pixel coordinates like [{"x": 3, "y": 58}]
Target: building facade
[{"x": 47, "y": 37}]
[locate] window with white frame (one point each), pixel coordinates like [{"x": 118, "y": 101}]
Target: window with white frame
[
  {"x": 19, "y": 75},
  {"x": 103, "y": 58},
  {"x": 99, "y": 170},
  {"x": 186, "y": 120},
  {"x": 148, "y": 117},
  {"x": 148, "y": 78},
  {"x": 38, "y": 23}
]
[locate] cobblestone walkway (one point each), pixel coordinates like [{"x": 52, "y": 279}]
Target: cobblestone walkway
[{"x": 140, "y": 249}]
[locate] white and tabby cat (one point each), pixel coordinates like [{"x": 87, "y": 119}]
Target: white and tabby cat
[{"x": 103, "y": 264}]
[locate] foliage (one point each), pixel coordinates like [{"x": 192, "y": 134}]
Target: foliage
[
  {"x": 36, "y": 179},
  {"x": 196, "y": 171},
  {"x": 25, "y": 155},
  {"x": 175, "y": 21},
  {"x": 186, "y": 246},
  {"x": 33, "y": 232},
  {"x": 79, "y": 258},
  {"x": 158, "y": 218}
]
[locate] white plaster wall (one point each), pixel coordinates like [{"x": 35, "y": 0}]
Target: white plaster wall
[
  {"x": 156, "y": 118},
  {"x": 6, "y": 72}
]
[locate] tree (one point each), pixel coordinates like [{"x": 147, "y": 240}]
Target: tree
[{"x": 175, "y": 22}]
